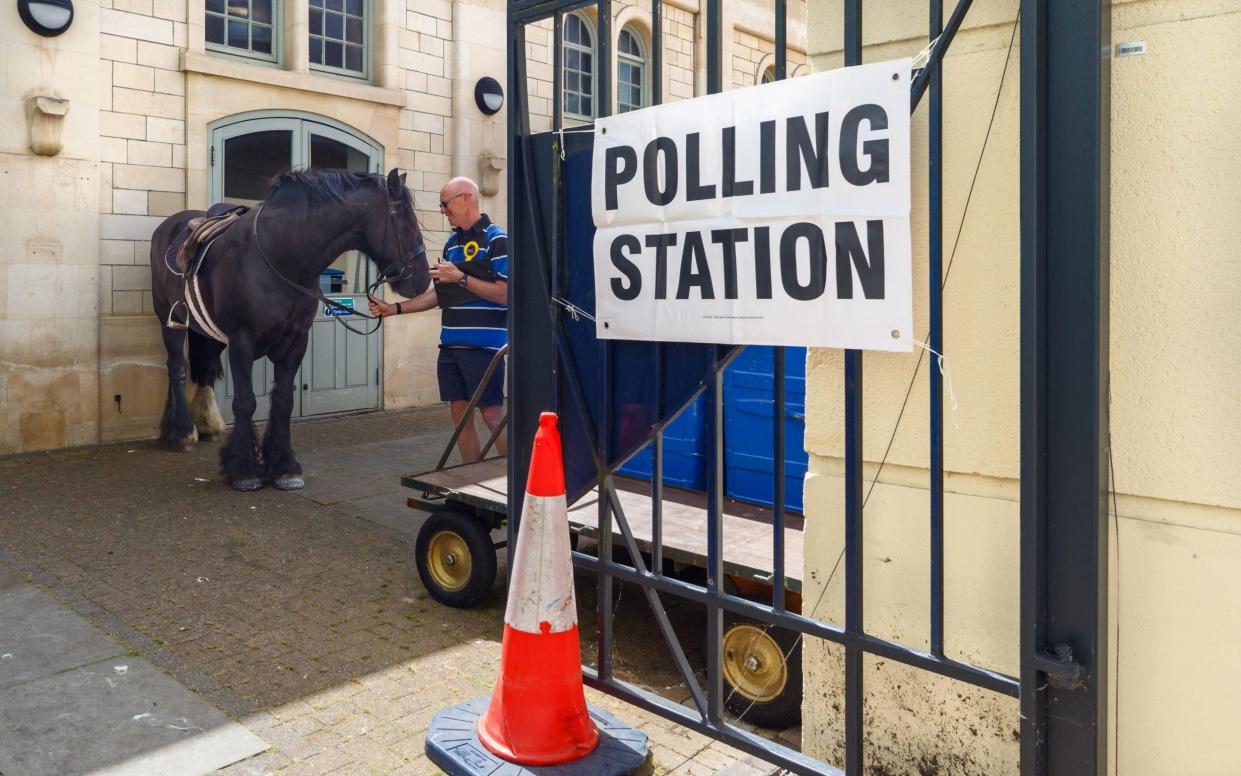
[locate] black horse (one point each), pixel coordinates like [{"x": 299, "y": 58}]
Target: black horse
[{"x": 259, "y": 287}]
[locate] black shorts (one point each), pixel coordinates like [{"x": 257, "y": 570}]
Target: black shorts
[{"x": 460, "y": 370}]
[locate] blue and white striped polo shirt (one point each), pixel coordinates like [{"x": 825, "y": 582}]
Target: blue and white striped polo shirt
[{"x": 468, "y": 321}]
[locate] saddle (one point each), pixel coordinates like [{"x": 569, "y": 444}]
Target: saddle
[
  {"x": 199, "y": 232},
  {"x": 184, "y": 258}
]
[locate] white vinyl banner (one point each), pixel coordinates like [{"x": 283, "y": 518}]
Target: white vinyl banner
[{"x": 772, "y": 215}]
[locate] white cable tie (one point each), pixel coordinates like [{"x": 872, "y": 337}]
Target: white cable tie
[
  {"x": 575, "y": 312},
  {"x": 942, "y": 361},
  {"x": 561, "y": 132},
  {"x": 925, "y": 53}
]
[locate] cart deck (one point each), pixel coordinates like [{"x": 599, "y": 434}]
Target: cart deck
[{"x": 747, "y": 528}]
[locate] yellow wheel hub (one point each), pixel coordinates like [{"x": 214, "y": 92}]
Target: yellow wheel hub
[
  {"x": 754, "y": 663},
  {"x": 448, "y": 560}
]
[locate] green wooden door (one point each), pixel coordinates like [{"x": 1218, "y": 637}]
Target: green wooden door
[{"x": 341, "y": 370}]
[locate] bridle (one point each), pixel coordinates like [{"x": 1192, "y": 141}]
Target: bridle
[{"x": 419, "y": 253}]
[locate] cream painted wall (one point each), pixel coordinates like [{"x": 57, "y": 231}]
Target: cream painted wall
[
  {"x": 49, "y": 231},
  {"x": 1176, "y": 197}
]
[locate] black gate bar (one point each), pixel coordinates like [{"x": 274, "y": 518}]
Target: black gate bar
[{"x": 1065, "y": 176}]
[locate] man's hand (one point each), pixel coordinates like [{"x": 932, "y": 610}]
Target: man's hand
[
  {"x": 446, "y": 272},
  {"x": 379, "y": 307}
]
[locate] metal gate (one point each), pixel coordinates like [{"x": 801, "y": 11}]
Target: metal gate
[{"x": 1064, "y": 357}]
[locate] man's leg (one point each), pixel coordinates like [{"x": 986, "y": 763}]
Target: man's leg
[
  {"x": 455, "y": 390},
  {"x": 467, "y": 442},
  {"x": 492, "y": 416}
]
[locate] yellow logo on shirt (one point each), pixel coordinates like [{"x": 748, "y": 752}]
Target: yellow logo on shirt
[{"x": 470, "y": 250}]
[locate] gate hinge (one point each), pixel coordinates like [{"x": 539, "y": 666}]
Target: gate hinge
[
  {"x": 213, "y": 156},
  {"x": 1063, "y": 672}
]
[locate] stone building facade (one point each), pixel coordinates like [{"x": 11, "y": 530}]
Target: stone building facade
[{"x": 151, "y": 93}]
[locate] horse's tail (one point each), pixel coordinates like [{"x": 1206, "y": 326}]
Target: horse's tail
[{"x": 205, "y": 365}]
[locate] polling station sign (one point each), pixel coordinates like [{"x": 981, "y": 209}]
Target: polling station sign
[{"x": 772, "y": 215}]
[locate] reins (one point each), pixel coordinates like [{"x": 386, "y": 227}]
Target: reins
[{"x": 406, "y": 270}]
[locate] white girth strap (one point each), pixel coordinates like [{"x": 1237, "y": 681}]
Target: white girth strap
[{"x": 198, "y": 304}]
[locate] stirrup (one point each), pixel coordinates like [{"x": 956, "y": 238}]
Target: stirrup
[{"x": 175, "y": 324}]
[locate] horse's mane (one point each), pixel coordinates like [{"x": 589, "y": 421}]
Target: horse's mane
[{"x": 323, "y": 187}]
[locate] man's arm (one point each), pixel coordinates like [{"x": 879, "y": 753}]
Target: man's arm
[
  {"x": 424, "y": 301},
  {"x": 491, "y": 290}
]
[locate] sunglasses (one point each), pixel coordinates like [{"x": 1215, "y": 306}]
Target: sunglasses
[{"x": 444, "y": 202}]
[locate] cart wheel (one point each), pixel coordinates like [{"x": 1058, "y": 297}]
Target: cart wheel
[
  {"x": 762, "y": 672},
  {"x": 456, "y": 558}
]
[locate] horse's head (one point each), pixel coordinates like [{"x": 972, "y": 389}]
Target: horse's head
[{"x": 398, "y": 248}]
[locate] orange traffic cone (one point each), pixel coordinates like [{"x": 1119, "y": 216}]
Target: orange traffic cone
[{"x": 538, "y": 711}]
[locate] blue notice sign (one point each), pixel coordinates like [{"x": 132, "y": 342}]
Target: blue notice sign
[{"x": 343, "y": 301}]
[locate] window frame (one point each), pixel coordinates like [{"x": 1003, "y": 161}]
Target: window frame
[
  {"x": 368, "y": 44},
  {"x": 276, "y": 57},
  {"x": 593, "y": 51},
  {"x": 641, "y": 61}
]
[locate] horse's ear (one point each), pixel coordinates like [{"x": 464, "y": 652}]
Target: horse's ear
[{"x": 396, "y": 183}]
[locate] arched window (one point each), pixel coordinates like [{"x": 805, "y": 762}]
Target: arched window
[
  {"x": 579, "y": 67},
  {"x": 769, "y": 75},
  {"x": 630, "y": 71}
]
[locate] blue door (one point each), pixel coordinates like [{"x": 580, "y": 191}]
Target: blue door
[
  {"x": 748, "y": 427},
  {"x": 748, "y": 406}
]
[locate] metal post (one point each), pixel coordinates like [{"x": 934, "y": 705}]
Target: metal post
[
  {"x": 557, "y": 71},
  {"x": 516, "y": 128},
  {"x": 604, "y": 65},
  {"x": 715, "y": 47},
  {"x": 777, "y": 378},
  {"x": 854, "y": 621},
  {"x": 935, "y": 216},
  {"x": 657, "y": 52},
  {"x": 782, "y": 33},
  {"x": 1065, "y": 106},
  {"x": 715, "y": 539}
]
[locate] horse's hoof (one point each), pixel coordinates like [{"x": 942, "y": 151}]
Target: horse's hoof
[
  {"x": 246, "y": 486},
  {"x": 289, "y": 482},
  {"x": 182, "y": 445},
  {"x": 207, "y": 436}
]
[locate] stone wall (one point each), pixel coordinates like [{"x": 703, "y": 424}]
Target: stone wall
[
  {"x": 49, "y": 235},
  {"x": 144, "y": 93}
]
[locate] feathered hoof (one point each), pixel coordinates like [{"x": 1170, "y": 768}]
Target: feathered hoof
[
  {"x": 208, "y": 436},
  {"x": 184, "y": 444},
  {"x": 245, "y": 486},
  {"x": 289, "y": 482}
]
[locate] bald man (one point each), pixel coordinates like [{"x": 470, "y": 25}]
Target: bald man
[{"x": 471, "y": 290}]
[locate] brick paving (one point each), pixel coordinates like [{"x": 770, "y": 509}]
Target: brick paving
[{"x": 298, "y": 614}]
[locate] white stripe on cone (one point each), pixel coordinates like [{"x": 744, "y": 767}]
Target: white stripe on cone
[{"x": 541, "y": 581}]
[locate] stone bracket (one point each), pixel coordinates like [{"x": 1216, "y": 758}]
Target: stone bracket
[
  {"x": 46, "y": 117},
  {"x": 489, "y": 168}
]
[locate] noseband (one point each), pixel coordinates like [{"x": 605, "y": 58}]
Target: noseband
[{"x": 419, "y": 251}]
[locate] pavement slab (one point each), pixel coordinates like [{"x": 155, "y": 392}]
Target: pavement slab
[
  {"x": 118, "y": 717},
  {"x": 40, "y": 637}
]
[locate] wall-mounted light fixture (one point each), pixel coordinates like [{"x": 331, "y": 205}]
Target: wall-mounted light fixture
[
  {"x": 488, "y": 95},
  {"x": 48, "y": 18}
]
